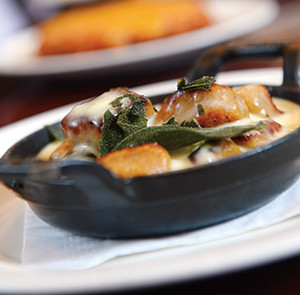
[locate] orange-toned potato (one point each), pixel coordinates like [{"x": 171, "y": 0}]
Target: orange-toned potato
[
  {"x": 220, "y": 103},
  {"x": 226, "y": 148},
  {"x": 258, "y": 100},
  {"x": 216, "y": 150},
  {"x": 64, "y": 149},
  {"x": 180, "y": 105},
  {"x": 146, "y": 159},
  {"x": 149, "y": 108},
  {"x": 256, "y": 138}
]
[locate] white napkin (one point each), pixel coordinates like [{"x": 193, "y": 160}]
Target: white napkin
[{"x": 50, "y": 248}]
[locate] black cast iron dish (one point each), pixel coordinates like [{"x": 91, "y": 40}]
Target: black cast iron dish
[{"x": 84, "y": 198}]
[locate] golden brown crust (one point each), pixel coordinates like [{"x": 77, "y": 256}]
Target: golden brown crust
[
  {"x": 219, "y": 149},
  {"x": 256, "y": 138},
  {"x": 142, "y": 160},
  {"x": 220, "y": 103},
  {"x": 258, "y": 100},
  {"x": 64, "y": 149},
  {"x": 115, "y": 23}
]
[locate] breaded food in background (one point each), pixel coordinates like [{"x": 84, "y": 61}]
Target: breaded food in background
[{"x": 111, "y": 23}]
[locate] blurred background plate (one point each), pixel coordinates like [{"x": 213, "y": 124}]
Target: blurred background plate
[{"x": 230, "y": 18}]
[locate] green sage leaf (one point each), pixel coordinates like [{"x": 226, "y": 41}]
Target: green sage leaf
[
  {"x": 112, "y": 134},
  {"x": 129, "y": 120},
  {"x": 176, "y": 137},
  {"x": 171, "y": 122},
  {"x": 203, "y": 83},
  {"x": 191, "y": 124},
  {"x": 189, "y": 149},
  {"x": 55, "y": 132}
]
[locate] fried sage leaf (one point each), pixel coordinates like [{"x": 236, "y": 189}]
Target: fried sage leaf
[
  {"x": 176, "y": 137},
  {"x": 129, "y": 120},
  {"x": 203, "y": 83},
  {"x": 191, "y": 124},
  {"x": 111, "y": 133},
  {"x": 171, "y": 122},
  {"x": 55, "y": 132},
  {"x": 189, "y": 149},
  {"x": 132, "y": 119}
]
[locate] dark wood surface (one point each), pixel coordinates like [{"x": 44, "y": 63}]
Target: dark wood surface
[{"x": 24, "y": 97}]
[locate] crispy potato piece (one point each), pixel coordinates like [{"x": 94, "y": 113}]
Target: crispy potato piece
[
  {"x": 149, "y": 109},
  {"x": 45, "y": 154},
  {"x": 216, "y": 150},
  {"x": 180, "y": 105},
  {"x": 256, "y": 138},
  {"x": 221, "y": 105},
  {"x": 60, "y": 152},
  {"x": 226, "y": 148},
  {"x": 258, "y": 100},
  {"x": 146, "y": 159}
]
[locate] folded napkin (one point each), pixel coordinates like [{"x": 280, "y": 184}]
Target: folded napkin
[{"x": 51, "y": 248}]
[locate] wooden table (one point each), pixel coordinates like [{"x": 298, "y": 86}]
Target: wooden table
[{"x": 23, "y": 97}]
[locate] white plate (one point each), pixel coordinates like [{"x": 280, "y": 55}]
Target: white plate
[
  {"x": 231, "y": 19},
  {"x": 166, "y": 266}
]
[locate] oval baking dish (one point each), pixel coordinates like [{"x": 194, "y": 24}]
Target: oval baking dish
[{"x": 84, "y": 198}]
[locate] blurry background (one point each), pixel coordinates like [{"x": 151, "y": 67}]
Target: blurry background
[{"x": 42, "y": 92}]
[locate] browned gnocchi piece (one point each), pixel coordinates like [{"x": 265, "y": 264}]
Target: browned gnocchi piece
[
  {"x": 220, "y": 104},
  {"x": 146, "y": 159},
  {"x": 258, "y": 100}
]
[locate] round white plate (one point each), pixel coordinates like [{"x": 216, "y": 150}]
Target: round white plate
[
  {"x": 142, "y": 270},
  {"x": 231, "y": 19}
]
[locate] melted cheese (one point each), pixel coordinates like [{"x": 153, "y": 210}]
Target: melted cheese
[
  {"x": 48, "y": 150},
  {"x": 179, "y": 163},
  {"x": 291, "y": 114},
  {"x": 95, "y": 108}
]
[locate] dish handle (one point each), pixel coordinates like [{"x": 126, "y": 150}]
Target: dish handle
[
  {"x": 212, "y": 60},
  {"x": 14, "y": 173},
  {"x": 89, "y": 183}
]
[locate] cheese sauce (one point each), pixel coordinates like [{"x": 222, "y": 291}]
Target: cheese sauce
[{"x": 291, "y": 114}]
